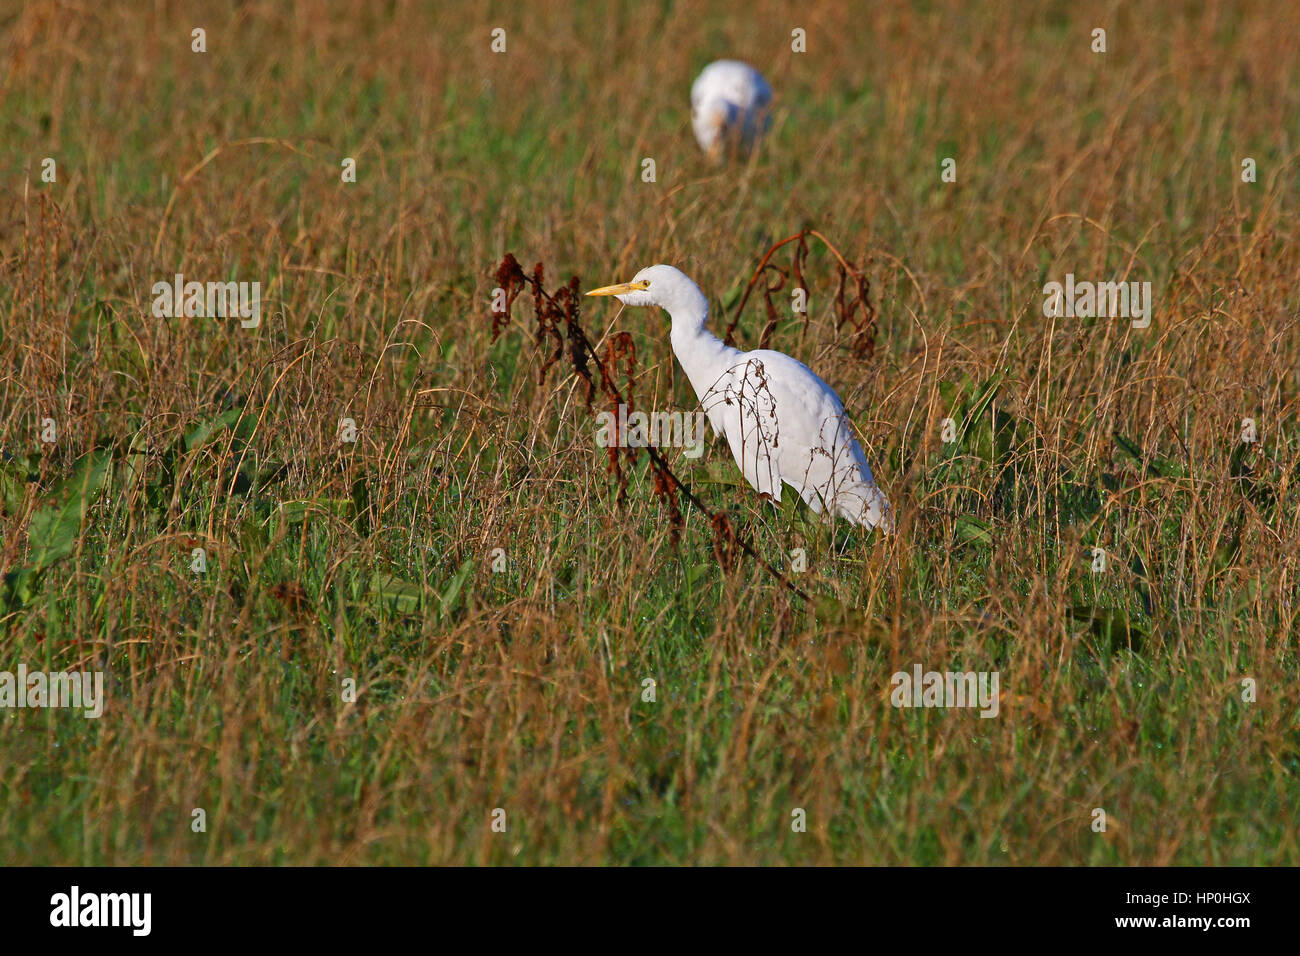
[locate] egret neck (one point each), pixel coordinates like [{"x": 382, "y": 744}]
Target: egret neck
[{"x": 699, "y": 352}]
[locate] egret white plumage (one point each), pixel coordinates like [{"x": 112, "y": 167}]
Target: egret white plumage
[
  {"x": 784, "y": 424},
  {"x": 729, "y": 108}
]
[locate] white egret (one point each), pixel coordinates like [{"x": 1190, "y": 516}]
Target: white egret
[
  {"x": 729, "y": 108},
  {"x": 782, "y": 422}
]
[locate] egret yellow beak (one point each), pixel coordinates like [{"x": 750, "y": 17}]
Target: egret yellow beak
[{"x": 621, "y": 288}]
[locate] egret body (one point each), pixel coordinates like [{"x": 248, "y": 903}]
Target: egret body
[
  {"x": 784, "y": 425},
  {"x": 729, "y": 108}
]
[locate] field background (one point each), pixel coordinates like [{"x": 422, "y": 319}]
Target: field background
[{"x": 523, "y": 689}]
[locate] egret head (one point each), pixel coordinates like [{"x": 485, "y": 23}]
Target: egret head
[
  {"x": 663, "y": 286},
  {"x": 714, "y": 122}
]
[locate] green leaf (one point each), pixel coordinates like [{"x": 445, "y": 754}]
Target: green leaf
[
  {"x": 401, "y": 596},
  {"x": 361, "y": 504},
  {"x": 700, "y": 574},
  {"x": 977, "y": 428},
  {"x": 972, "y": 530},
  {"x": 1111, "y": 626},
  {"x": 1129, "y": 447},
  {"x": 55, "y": 528},
  {"x": 948, "y": 395},
  {"x": 453, "y": 589},
  {"x": 720, "y": 473},
  {"x": 17, "y": 589},
  {"x": 1160, "y": 467},
  {"x": 14, "y": 481},
  {"x": 235, "y": 418},
  {"x": 296, "y": 510},
  {"x": 733, "y": 296}
]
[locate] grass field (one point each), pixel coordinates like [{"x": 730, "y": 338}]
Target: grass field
[{"x": 1162, "y": 690}]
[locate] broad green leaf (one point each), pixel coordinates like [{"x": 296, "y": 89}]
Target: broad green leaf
[
  {"x": 236, "y": 418},
  {"x": 720, "y": 473},
  {"x": 296, "y": 510},
  {"x": 55, "y": 528},
  {"x": 973, "y": 531},
  {"x": 1111, "y": 626},
  {"x": 453, "y": 589},
  {"x": 400, "y": 595},
  {"x": 14, "y": 482},
  {"x": 1161, "y": 467}
]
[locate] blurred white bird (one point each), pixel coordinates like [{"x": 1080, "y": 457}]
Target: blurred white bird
[
  {"x": 783, "y": 423},
  {"x": 729, "y": 108}
]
